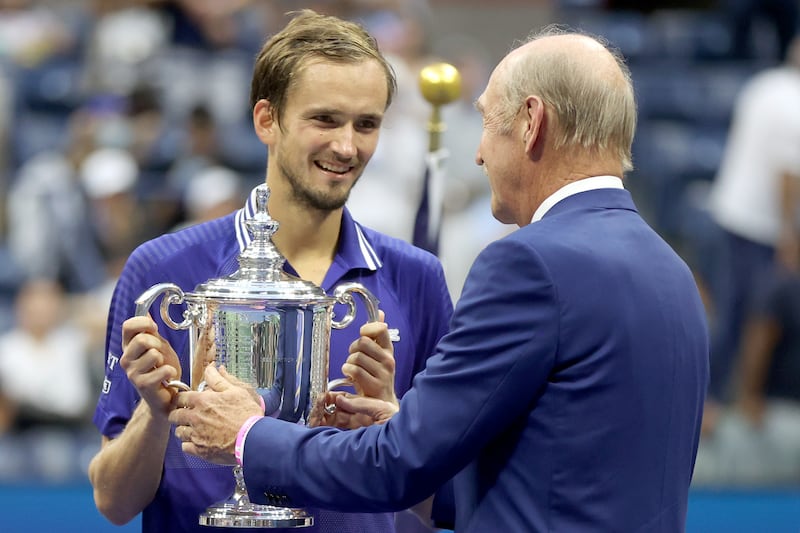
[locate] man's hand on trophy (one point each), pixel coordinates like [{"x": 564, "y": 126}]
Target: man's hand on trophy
[
  {"x": 371, "y": 362},
  {"x": 207, "y": 422},
  {"x": 239, "y": 383},
  {"x": 149, "y": 361},
  {"x": 352, "y": 411},
  {"x": 360, "y": 407}
]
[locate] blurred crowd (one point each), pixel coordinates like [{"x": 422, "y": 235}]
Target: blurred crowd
[{"x": 124, "y": 119}]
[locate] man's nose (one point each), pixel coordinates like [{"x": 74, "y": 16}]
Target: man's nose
[{"x": 344, "y": 144}]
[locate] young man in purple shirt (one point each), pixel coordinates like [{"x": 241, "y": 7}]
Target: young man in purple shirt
[{"x": 319, "y": 92}]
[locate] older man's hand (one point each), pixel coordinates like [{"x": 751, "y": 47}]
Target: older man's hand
[{"x": 207, "y": 422}]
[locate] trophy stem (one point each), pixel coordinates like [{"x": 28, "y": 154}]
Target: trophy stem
[
  {"x": 237, "y": 511},
  {"x": 240, "y": 492}
]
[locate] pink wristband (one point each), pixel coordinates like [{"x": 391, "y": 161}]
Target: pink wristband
[{"x": 238, "y": 449}]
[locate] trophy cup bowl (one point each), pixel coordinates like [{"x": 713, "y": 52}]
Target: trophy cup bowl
[{"x": 271, "y": 331}]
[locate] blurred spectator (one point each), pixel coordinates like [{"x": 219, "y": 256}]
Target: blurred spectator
[
  {"x": 467, "y": 196},
  {"x": 11, "y": 274},
  {"x": 758, "y": 229},
  {"x": 209, "y": 52},
  {"x": 155, "y": 142},
  {"x": 757, "y": 442},
  {"x": 109, "y": 177},
  {"x": 396, "y": 170},
  {"x": 779, "y": 17},
  {"x": 31, "y": 34},
  {"x": 124, "y": 40},
  {"x": 770, "y": 363},
  {"x": 152, "y": 139},
  {"x": 44, "y": 376},
  {"x": 49, "y": 231},
  {"x": 212, "y": 193},
  {"x": 200, "y": 150},
  {"x": 210, "y": 24}
]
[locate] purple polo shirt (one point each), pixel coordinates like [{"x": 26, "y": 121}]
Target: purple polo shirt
[{"x": 408, "y": 282}]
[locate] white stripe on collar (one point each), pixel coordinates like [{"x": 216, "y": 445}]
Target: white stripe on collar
[
  {"x": 245, "y": 213},
  {"x": 370, "y": 257},
  {"x": 583, "y": 185}
]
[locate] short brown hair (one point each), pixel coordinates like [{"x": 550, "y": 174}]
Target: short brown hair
[{"x": 307, "y": 36}]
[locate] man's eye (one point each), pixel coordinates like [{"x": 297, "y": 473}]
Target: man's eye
[
  {"x": 368, "y": 124},
  {"x": 327, "y": 119}
]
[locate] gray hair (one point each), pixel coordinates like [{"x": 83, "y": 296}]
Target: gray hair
[{"x": 591, "y": 111}]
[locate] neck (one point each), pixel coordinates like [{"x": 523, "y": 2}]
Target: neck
[
  {"x": 566, "y": 170},
  {"x": 307, "y": 238}
]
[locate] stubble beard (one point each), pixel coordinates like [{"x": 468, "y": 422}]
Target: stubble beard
[{"x": 317, "y": 200}]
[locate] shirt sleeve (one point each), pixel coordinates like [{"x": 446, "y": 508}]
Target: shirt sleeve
[{"x": 118, "y": 397}]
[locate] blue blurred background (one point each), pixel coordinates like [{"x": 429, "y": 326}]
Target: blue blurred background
[{"x": 123, "y": 119}]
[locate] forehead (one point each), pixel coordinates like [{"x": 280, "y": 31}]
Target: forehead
[
  {"x": 345, "y": 83},
  {"x": 491, "y": 92}
]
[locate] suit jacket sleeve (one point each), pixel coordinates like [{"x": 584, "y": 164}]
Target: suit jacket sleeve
[{"x": 486, "y": 375}]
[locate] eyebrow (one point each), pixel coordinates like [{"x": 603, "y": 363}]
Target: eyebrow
[{"x": 336, "y": 112}]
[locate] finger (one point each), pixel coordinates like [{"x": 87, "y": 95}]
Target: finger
[
  {"x": 155, "y": 377},
  {"x": 184, "y": 401},
  {"x": 362, "y": 378},
  {"x": 179, "y": 417},
  {"x": 190, "y": 448},
  {"x": 149, "y": 367},
  {"x": 373, "y": 363},
  {"x": 231, "y": 378},
  {"x": 215, "y": 379},
  {"x": 136, "y": 325},
  {"x": 183, "y": 433},
  {"x": 357, "y": 405},
  {"x": 379, "y": 332},
  {"x": 367, "y": 348}
]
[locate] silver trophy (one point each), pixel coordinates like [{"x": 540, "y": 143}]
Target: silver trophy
[{"x": 271, "y": 331}]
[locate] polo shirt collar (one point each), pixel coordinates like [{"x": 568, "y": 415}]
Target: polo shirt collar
[{"x": 355, "y": 251}]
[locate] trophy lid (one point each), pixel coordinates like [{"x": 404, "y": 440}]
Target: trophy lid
[{"x": 260, "y": 276}]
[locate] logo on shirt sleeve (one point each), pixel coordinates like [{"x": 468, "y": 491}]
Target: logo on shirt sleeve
[{"x": 111, "y": 361}]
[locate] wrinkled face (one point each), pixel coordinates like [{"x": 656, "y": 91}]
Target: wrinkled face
[
  {"x": 329, "y": 130},
  {"x": 498, "y": 153}
]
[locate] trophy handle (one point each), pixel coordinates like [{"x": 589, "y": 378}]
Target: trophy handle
[
  {"x": 172, "y": 295},
  {"x": 343, "y": 294}
]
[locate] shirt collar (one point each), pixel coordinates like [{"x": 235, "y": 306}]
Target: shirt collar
[
  {"x": 354, "y": 251},
  {"x": 583, "y": 185}
]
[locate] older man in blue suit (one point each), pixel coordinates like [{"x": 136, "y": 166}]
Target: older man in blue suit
[{"x": 568, "y": 394}]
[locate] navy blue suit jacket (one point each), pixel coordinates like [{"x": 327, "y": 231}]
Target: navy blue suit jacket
[{"x": 567, "y": 396}]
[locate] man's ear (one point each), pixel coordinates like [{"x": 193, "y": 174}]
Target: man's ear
[
  {"x": 264, "y": 121},
  {"x": 533, "y": 121}
]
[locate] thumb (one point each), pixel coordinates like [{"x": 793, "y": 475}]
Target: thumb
[
  {"x": 215, "y": 379},
  {"x": 355, "y": 404}
]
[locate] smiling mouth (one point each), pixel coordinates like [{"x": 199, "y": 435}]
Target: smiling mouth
[{"x": 335, "y": 169}]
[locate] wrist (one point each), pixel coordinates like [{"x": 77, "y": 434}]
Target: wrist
[
  {"x": 152, "y": 416},
  {"x": 241, "y": 436}
]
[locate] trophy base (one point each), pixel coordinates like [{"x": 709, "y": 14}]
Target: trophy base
[{"x": 252, "y": 515}]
